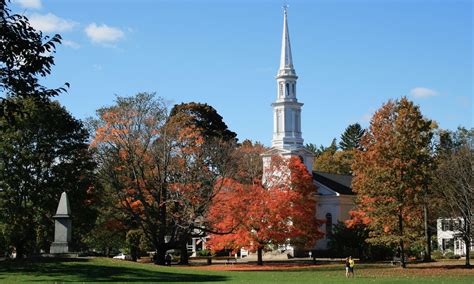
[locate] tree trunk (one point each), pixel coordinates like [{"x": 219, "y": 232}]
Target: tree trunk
[
  {"x": 467, "y": 243},
  {"x": 427, "y": 256},
  {"x": 402, "y": 254},
  {"x": 184, "y": 259},
  {"x": 260, "y": 256},
  {"x": 402, "y": 249},
  {"x": 160, "y": 255}
]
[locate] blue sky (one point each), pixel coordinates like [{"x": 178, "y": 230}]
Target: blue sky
[{"x": 350, "y": 56}]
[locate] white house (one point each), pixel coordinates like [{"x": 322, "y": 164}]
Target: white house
[{"x": 449, "y": 237}]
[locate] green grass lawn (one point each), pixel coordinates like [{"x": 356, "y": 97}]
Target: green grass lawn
[{"x": 102, "y": 269}]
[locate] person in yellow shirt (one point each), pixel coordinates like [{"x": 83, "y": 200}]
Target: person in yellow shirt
[{"x": 351, "y": 266}]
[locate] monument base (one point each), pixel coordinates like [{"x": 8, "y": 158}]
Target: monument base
[{"x": 57, "y": 247}]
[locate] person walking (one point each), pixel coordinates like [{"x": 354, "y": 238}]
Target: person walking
[
  {"x": 347, "y": 265},
  {"x": 351, "y": 266}
]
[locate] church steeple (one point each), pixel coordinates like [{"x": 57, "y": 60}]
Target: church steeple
[
  {"x": 287, "y": 138},
  {"x": 286, "y": 60},
  {"x": 286, "y": 108}
]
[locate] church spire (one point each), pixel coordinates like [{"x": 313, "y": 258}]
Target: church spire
[
  {"x": 287, "y": 137},
  {"x": 286, "y": 60},
  {"x": 286, "y": 108}
]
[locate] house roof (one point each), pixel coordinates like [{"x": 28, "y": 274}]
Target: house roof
[{"x": 341, "y": 184}]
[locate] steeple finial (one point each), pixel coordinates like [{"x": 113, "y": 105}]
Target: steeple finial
[{"x": 286, "y": 60}]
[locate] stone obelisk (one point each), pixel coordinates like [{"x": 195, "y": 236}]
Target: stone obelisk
[{"x": 62, "y": 226}]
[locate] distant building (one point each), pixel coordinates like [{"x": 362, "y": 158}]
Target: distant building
[{"x": 449, "y": 237}]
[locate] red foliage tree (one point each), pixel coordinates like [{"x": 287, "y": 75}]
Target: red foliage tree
[{"x": 260, "y": 217}]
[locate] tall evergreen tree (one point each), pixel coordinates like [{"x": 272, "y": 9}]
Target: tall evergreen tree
[
  {"x": 350, "y": 139},
  {"x": 333, "y": 147}
]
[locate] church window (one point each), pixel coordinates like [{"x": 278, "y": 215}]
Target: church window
[
  {"x": 294, "y": 89},
  {"x": 287, "y": 89},
  {"x": 328, "y": 225}
]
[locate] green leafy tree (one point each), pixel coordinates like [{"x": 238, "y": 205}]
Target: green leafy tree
[
  {"x": 108, "y": 234},
  {"x": 350, "y": 139},
  {"x": 338, "y": 162},
  {"x": 26, "y": 56},
  {"x": 351, "y": 240},
  {"x": 44, "y": 155},
  {"x": 331, "y": 160},
  {"x": 206, "y": 118},
  {"x": 218, "y": 144},
  {"x": 133, "y": 239}
]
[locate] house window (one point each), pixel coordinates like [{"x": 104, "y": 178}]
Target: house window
[
  {"x": 447, "y": 244},
  {"x": 328, "y": 225},
  {"x": 447, "y": 225}
]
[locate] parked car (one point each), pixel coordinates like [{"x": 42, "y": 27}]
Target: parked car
[{"x": 123, "y": 256}]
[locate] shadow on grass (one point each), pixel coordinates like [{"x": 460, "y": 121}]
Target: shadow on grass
[
  {"x": 322, "y": 268},
  {"x": 442, "y": 267},
  {"x": 73, "y": 270}
]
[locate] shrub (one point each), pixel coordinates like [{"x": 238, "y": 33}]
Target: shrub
[
  {"x": 436, "y": 254},
  {"x": 203, "y": 252},
  {"x": 451, "y": 255}
]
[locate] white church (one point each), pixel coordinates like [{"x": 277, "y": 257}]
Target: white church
[{"x": 334, "y": 194}]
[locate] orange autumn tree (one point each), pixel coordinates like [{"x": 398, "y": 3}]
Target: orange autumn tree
[
  {"x": 259, "y": 217},
  {"x": 131, "y": 164},
  {"x": 161, "y": 169},
  {"x": 390, "y": 175}
]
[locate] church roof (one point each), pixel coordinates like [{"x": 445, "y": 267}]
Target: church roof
[{"x": 341, "y": 184}]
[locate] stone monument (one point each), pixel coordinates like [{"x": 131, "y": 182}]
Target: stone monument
[{"x": 62, "y": 227}]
